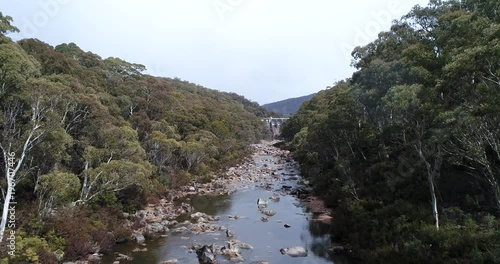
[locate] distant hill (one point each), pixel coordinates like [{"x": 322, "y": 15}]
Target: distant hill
[{"x": 288, "y": 107}]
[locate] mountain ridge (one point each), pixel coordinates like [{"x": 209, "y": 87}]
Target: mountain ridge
[{"x": 288, "y": 107}]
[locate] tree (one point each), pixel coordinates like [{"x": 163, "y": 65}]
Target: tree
[
  {"x": 164, "y": 152},
  {"x": 56, "y": 188},
  {"x": 20, "y": 134},
  {"x": 5, "y": 26},
  {"x": 31, "y": 137},
  {"x": 16, "y": 67},
  {"x": 122, "y": 68},
  {"x": 113, "y": 176}
]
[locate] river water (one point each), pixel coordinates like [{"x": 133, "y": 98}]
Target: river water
[{"x": 267, "y": 238}]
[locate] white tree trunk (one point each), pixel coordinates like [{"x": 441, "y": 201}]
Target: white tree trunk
[
  {"x": 11, "y": 170},
  {"x": 433, "y": 200},
  {"x": 5, "y": 212},
  {"x": 432, "y": 171}
]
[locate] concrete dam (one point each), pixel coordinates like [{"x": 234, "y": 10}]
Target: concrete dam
[{"x": 274, "y": 124}]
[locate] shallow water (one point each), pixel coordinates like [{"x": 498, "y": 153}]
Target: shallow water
[{"x": 267, "y": 238}]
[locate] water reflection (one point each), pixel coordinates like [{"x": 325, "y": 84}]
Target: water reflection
[{"x": 212, "y": 205}]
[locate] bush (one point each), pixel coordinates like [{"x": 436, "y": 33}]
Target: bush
[{"x": 404, "y": 233}]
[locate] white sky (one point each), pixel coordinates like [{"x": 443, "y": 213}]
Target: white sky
[{"x": 266, "y": 50}]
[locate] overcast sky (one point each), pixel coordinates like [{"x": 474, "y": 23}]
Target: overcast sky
[{"x": 266, "y": 50}]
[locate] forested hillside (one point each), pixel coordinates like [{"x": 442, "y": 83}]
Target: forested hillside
[
  {"x": 407, "y": 151},
  {"x": 289, "y": 106},
  {"x": 98, "y": 134}
]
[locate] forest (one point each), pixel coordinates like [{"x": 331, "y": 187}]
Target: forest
[
  {"x": 84, "y": 139},
  {"x": 407, "y": 150}
]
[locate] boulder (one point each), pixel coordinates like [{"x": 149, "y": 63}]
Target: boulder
[
  {"x": 197, "y": 215},
  {"x": 205, "y": 255},
  {"x": 170, "y": 261},
  {"x": 94, "y": 258},
  {"x": 275, "y": 198},
  {"x": 229, "y": 233},
  {"x": 294, "y": 251},
  {"x": 155, "y": 228},
  {"x": 141, "y": 213},
  {"x": 180, "y": 229},
  {"x": 138, "y": 237},
  {"x": 123, "y": 257},
  {"x": 261, "y": 202},
  {"x": 269, "y": 212},
  {"x": 244, "y": 245}
]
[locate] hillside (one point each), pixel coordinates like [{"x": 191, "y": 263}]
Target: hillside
[
  {"x": 99, "y": 133},
  {"x": 407, "y": 150},
  {"x": 289, "y": 106}
]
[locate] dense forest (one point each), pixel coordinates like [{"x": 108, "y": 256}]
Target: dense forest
[
  {"x": 407, "y": 150},
  {"x": 84, "y": 139}
]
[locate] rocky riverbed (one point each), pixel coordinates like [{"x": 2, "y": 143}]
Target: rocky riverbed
[{"x": 263, "y": 191}]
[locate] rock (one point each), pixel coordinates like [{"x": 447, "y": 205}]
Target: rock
[
  {"x": 141, "y": 213},
  {"x": 172, "y": 223},
  {"x": 170, "y": 261},
  {"x": 155, "y": 228},
  {"x": 180, "y": 229},
  {"x": 324, "y": 218},
  {"x": 303, "y": 182},
  {"x": 123, "y": 257},
  {"x": 337, "y": 249},
  {"x": 94, "y": 258},
  {"x": 244, "y": 245},
  {"x": 138, "y": 237},
  {"x": 185, "y": 223},
  {"x": 191, "y": 189},
  {"x": 231, "y": 250},
  {"x": 261, "y": 202},
  {"x": 237, "y": 258},
  {"x": 126, "y": 215},
  {"x": 213, "y": 218},
  {"x": 287, "y": 225},
  {"x": 205, "y": 255},
  {"x": 294, "y": 251},
  {"x": 269, "y": 212},
  {"x": 235, "y": 217},
  {"x": 275, "y": 198},
  {"x": 197, "y": 215}
]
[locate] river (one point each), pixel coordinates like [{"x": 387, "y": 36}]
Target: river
[{"x": 266, "y": 238}]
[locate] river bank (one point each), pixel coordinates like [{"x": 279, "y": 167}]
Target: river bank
[{"x": 195, "y": 215}]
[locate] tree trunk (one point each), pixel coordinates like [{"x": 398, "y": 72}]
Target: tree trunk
[
  {"x": 432, "y": 172},
  {"x": 496, "y": 193},
  {"x": 5, "y": 211},
  {"x": 433, "y": 200}
]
